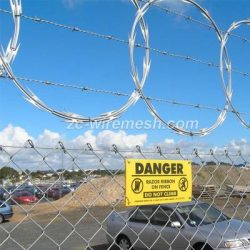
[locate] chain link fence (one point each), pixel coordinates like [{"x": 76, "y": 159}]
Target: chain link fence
[{"x": 72, "y": 198}]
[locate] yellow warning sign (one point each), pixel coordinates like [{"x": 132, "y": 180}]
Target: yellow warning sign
[{"x": 153, "y": 182}]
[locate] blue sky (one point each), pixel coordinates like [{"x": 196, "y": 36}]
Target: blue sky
[{"x": 50, "y": 53}]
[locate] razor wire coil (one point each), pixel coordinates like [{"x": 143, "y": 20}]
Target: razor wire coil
[
  {"x": 13, "y": 46},
  {"x": 8, "y": 56},
  {"x": 221, "y": 118},
  {"x": 72, "y": 117},
  {"x": 224, "y": 41}
]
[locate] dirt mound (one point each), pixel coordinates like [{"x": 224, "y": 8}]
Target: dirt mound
[
  {"x": 105, "y": 191},
  {"x": 220, "y": 176},
  {"x": 110, "y": 191}
]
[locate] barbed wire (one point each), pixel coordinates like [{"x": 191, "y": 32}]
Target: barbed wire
[
  {"x": 119, "y": 94},
  {"x": 193, "y": 20},
  {"x": 124, "y": 41}
]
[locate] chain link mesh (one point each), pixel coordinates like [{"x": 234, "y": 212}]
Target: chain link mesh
[{"x": 77, "y": 195}]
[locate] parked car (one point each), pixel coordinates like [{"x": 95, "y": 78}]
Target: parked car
[
  {"x": 28, "y": 187},
  {"x": 11, "y": 189},
  {"x": 58, "y": 192},
  {"x": 6, "y": 192},
  {"x": 3, "y": 194},
  {"x": 23, "y": 197},
  {"x": 74, "y": 186},
  {"x": 6, "y": 211},
  {"x": 194, "y": 225},
  {"x": 41, "y": 191}
]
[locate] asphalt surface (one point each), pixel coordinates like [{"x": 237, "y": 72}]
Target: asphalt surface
[
  {"x": 70, "y": 230},
  {"x": 79, "y": 229}
]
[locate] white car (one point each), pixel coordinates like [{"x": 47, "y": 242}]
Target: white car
[{"x": 194, "y": 225}]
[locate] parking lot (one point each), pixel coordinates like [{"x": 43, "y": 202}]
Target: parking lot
[
  {"x": 58, "y": 230},
  {"x": 74, "y": 229}
]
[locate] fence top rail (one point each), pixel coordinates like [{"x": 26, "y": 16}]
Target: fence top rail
[{"x": 114, "y": 149}]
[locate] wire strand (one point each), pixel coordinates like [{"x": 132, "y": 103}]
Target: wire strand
[
  {"x": 193, "y": 20},
  {"x": 137, "y": 45},
  {"x": 119, "y": 94}
]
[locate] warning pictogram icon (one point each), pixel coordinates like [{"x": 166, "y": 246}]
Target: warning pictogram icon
[
  {"x": 137, "y": 186},
  {"x": 183, "y": 184}
]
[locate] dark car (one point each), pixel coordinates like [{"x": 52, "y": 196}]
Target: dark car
[
  {"x": 58, "y": 192},
  {"x": 38, "y": 191},
  {"x": 6, "y": 211},
  {"x": 23, "y": 197},
  {"x": 29, "y": 188},
  {"x": 3, "y": 193},
  {"x": 10, "y": 189},
  {"x": 41, "y": 191}
]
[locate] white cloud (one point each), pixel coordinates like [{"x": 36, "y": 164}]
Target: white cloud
[
  {"x": 203, "y": 148},
  {"x": 170, "y": 145},
  {"x": 107, "y": 138},
  {"x": 169, "y": 141},
  {"x": 13, "y": 136},
  {"x": 17, "y": 136},
  {"x": 48, "y": 138},
  {"x": 242, "y": 145},
  {"x": 87, "y": 137}
]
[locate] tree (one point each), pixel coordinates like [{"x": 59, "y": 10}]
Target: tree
[
  {"x": 75, "y": 176},
  {"x": 37, "y": 175},
  {"x": 7, "y": 173}
]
